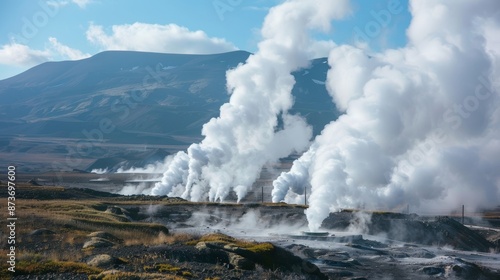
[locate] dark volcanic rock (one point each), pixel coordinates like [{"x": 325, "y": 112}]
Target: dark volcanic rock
[
  {"x": 183, "y": 253},
  {"x": 468, "y": 270},
  {"x": 222, "y": 253},
  {"x": 34, "y": 182},
  {"x": 432, "y": 270},
  {"x": 105, "y": 235},
  {"x": 104, "y": 261},
  {"x": 403, "y": 252},
  {"x": 441, "y": 231},
  {"x": 241, "y": 262},
  {"x": 97, "y": 242},
  {"x": 42, "y": 231}
]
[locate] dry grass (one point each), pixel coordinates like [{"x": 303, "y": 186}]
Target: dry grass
[
  {"x": 80, "y": 216},
  {"x": 255, "y": 247},
  {"x": 72, "y": 220},
  {"x": 283, "y": 204},
  {"x": 161, "y": 238},
  {"x": 118, "y": 275},
  {"x": 169, "y": 269},
  {"x": 52, "y": 255},
  {"x": 37, "y": 267},
  {"x": 217, "y": 237}
]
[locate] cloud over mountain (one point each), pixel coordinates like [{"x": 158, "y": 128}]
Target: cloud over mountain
[
  {"x": 22, "y": 55},
  {"x": 169, "y": 38}
]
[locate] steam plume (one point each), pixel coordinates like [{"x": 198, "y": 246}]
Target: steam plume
[
  {"x": 246, "y": 135},
  {"x": 421, "y": 123}
]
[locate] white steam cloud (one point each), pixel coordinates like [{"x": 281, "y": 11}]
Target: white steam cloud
[
  {"x": 152, "y": 168},
  {"x": 421, "y": 123},
  {"x": 247, "y": 135}
]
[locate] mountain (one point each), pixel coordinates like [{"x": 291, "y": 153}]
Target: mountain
[{"x": 130, "y": 101}]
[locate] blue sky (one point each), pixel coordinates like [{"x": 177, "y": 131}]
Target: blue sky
[{"x": 34, "y": 31}]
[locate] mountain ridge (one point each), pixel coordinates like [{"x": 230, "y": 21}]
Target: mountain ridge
[{"x": 150, "y": 98}]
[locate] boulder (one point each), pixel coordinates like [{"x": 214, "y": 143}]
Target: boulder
[
  {"x": 468, "y": 270},
  {"x": 240, "y": 262},
  {"x": 104, "y": 261},
  {"x": 235, "y": 259},
  {"x": 97, "y": 242},
  {"x": 41, "y": 232},
  {"x": 106, "y": 235},
  {"x": 117, "y": 210},
  {"x": 201, "y": 246},
  {"x": 432, "y": 270}
]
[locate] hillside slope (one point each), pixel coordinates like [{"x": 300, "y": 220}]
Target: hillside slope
[{"x": 131, "y": 98}]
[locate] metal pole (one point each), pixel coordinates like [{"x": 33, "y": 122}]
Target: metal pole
[{"x": 262, "y": 197}]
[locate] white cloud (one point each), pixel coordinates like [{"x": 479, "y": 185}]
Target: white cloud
[
  {"x": 15, "y": 54},
  {"x": 22, "y": 55},
  {"x": 169, "y": 38},
  {"x": 61, "y": 3},
  {"x": 321, "y": 48},
  {"x": 65, "y": 51},
  {"x": 82, "y": 3},
  {"x": 57, "y": 4}
]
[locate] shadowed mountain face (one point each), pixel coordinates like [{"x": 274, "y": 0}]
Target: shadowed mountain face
[{"x": 134, "y": 98}]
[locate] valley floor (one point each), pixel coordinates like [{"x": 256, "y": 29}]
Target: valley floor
[{"x": 76, "y": 233}]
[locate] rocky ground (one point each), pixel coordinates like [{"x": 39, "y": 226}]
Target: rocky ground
[
  {"x": 71, "y": 233},
  {"x": 358, "y": 245}
]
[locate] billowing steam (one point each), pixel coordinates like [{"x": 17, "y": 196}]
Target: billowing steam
[
  {"x": 254, "y": 128},
  {"x": 421, "y": 123},
  {"x": 157, "y": 167}
]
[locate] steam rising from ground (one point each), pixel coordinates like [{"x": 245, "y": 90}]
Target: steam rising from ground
[
  {"x": 421, "y": 123},
  {"x": 252, "y": 220},
  {"x": 132, "y": 189},
  {"x": 247, "y": 135}
]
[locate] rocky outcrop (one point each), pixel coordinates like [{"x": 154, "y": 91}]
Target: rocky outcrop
[
  {"x": 440, "y": 231},
  {"x": 106, "y": 235},
  {"x": 42, "y": 232},
  {"x": 241, "y": 262},
  {"x": 247, "y": 255},
  {"x": 104, "y": 261},
  {"x": 97, "y": 242}
]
